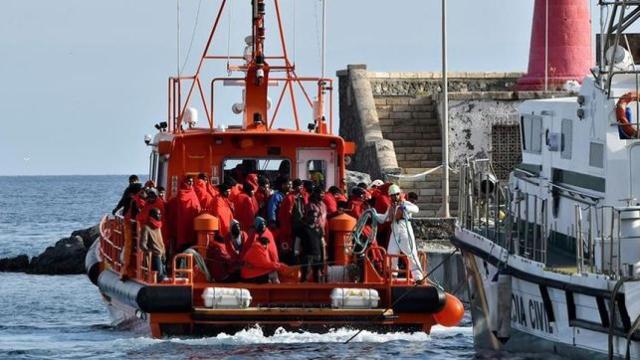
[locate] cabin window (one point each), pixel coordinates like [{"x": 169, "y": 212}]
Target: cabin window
[
  {"x": 238, "y": 169},
  {"x": 566, "y": 139},
  {"x": 531, "y": 133},
  {"x": 596, "y": 155},
  {"x": 317, "y": 172}
]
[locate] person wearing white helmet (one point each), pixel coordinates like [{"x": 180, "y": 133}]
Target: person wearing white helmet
[{"x": 402, "y": 240}]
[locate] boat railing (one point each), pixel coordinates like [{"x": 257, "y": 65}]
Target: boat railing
[
  {"x": 113, "y": 249},
  {"x": 616, "y": 227}
]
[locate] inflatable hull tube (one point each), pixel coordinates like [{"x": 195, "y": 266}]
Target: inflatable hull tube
[
  {"x": 418, "y": 299},
  {"x": 92, "y": 262},
  {"x": 146, "y": 298}
]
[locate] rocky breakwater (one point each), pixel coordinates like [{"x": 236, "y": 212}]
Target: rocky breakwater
[{"x": 66, "y": 257}]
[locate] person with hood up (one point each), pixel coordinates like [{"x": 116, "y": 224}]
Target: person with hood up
[
  {"x": 223, "y": 209},
  {"x": 204, "y": 196},
  {"x": 246, "y": 206},
  {"x": 183, "y": 208},
  {"x": 152, "y": 201},
  {"x": 402, "y": 240},
  {"x": 151, "y": 241},
  {"x": 125, "y": 201},
  {"x": 259, "y": 265},
  {"x": 382, "y": 202},
  {"x": 330, "y": 200}
]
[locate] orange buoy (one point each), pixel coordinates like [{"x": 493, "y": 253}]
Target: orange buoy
[
  {"x": 206, "y": 223},
  {"x": 341, "y": 227},
  {"x": 452, "y": 312}
]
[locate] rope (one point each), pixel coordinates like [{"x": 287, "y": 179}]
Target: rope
[
  {"x": 408, "y": 291},
  {"x": 193, "y": 36},
  {"x": 360, "y": 226},
  {"x": 417, "y": 176}
]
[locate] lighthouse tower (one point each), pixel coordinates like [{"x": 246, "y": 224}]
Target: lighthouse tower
[{"x": 565, "y": 29}]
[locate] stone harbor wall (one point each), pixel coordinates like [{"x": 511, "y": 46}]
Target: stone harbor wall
[{"x": 395, "y": 120}]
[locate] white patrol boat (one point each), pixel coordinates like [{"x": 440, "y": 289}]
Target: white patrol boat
[{"x": 553, "y": 256}]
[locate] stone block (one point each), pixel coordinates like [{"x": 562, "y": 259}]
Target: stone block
[
  {"x": 398, "y": 101},
  {"x": 400, "y": 115},
  {"x": 380, "y": 101}
]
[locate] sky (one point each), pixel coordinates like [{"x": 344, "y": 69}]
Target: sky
[{"x": 85, "y": 80}]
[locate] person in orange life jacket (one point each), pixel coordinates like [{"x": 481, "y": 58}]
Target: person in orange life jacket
[
  {"x": 183, "y": 208},
  {"x": 246, "y": 206},
  {"x": 223, "y": 209},
  {"x": 237, "y": 244},
  {"x": 125, "y": 201},
  {"x": 310, "y": 245},
  {"x": 200, "y": 187},
  {"x": 151, "y": 241},
  {"x": 262, "y": 195},
  {"x": 260, "y": 264}
]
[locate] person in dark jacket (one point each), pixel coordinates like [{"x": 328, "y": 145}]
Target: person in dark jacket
[
  {"x": 125, "y": 201},
  {"x": 310, "y": 246}
]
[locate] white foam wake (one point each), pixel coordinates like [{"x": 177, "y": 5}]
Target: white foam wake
[{"x": 255, "y": 335}]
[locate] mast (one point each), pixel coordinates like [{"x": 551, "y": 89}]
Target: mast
[{"x": 257, "y": 79}]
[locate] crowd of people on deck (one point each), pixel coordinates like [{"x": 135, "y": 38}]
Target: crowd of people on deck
[{"x": 264, "y": 227}]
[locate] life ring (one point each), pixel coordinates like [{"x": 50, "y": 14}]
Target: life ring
[{"x": 621, "y": 114}]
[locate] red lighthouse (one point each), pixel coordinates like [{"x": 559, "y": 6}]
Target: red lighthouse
[{"x": 565, "y": 29}]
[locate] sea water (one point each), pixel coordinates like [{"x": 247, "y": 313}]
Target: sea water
[{"x": 63, "y": 317}]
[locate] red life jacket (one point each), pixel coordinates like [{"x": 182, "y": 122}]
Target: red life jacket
[
  {"x": 258, "y": 261},
  {"x": 246, "y": 208}
]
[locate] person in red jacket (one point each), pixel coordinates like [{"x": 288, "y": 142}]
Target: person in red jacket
[
  {"x": 260, "y": 230},
  {"x": 284, "y": 221},
  {"x": 151, "y": 201},
  {"x": 259, "y": 265},
  {"x": 183, "y": 208},
  {"x": 253, "y": 180},
  {"x": 237, "y": 244},
  {"x": 200, "y": 187},
  {"x": 382, "y": 203},
  {"x": 223, "y": 209},
  {"x": 330, "y": 200},
  {"x": 219, "y": 261},
  {"x": 262, "y": 195},
  {"x": 246, "y": 206}
]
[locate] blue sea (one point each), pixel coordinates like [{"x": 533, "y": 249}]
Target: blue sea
[{"x": 63, "y": 317}]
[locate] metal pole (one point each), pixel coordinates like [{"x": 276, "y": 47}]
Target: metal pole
[
  {"x": 324, "y": 34},
  {"x": 546, "y": 46},
  {"x": 445, "y": 117}
]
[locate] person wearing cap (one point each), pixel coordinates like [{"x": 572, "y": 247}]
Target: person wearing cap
[
  {"x": 402, "y": 240},
  {"x": 151, "y": 242}
]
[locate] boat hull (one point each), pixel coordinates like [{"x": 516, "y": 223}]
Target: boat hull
[{"x": 519, "y": 306}]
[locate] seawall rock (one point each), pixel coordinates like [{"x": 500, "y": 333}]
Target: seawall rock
[{"x": 65, "y": 257}]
